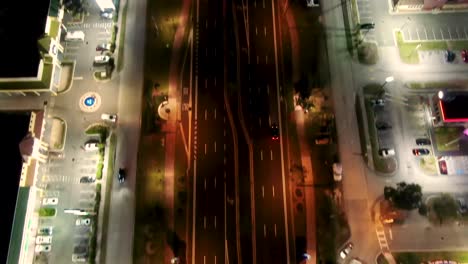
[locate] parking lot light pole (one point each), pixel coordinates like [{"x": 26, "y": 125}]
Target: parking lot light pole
[{"x": 389, "y": 79}]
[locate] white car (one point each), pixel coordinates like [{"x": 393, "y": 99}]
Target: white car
[
  {"x": 337, "y": 171},
  {"x": 107, "y": 15},
  {"x": 346, "y": 250},
  {"x": 386, "y": 152},
  {"x": 75, "y": 36},
  {"x": 311, "y": 3},
  {"x": 50, "y": 201},
  {"x": 78, "y": 258},
  {"x": 109, "y": 117},
  {"x": 101, "y": 59},
  {"x": 83, "y": 221},
  {"x": 45, "y": 231},
  {"x": 42, "y": 248},
  {"x": 43, "y": 240},
  {"x": 90, "y": 146}
]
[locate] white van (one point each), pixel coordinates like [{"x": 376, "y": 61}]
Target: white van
[{"x": 75, "y": 36}]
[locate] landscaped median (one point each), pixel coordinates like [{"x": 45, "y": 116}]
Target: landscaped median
[
  {"x": 424, "y": 257},
  {"x": 408, "y": 50}
]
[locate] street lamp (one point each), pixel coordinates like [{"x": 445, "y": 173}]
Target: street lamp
[{"x": 388, "y": 80}]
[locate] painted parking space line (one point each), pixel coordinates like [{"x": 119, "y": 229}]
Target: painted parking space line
[{"x": 425, "y": 32}]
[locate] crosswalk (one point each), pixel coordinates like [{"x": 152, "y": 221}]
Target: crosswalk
[
  {"x": 381, "y": 237},
  {"x": 76, "y": 26}
]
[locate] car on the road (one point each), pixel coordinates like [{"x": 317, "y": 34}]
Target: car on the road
[
  {"x": 464, "y": 56},
  {"x": 92, "y": 145},
  {"x": 121, "y": 175},
  {"x": 87, "y": 179},
  {"x": 462, "y": 208},
  {"x": 386, "y": 152},
  {"x": 79, "y": 258},
  {"x": 449, "y": 56},
  {"x": 45, "y": 231},
  {"x": 101, "y": 59},
  {"x": 50, "y": 201},
  {"x": 109, "y": 117},
  {"x": 83, "y": 221},
  {"x": 377, "y": 102},
  {"x": 337, "y": 171},
  {"x": 103, "y": 46},
  {"x": 443, "y": 167},
  {"x": 42, "y": 248},
  {"x": 274, "y": 131},
  {"x": 380, "y": 125},
  {"x": 346, "y": 250},
  {"x": 43, "y": 240},
  {"x": 107, "y": 14},
  {"x": 421, "y": 152},
  {"x": 423, "y": 141},
  {"x": 368, "y": 26}
]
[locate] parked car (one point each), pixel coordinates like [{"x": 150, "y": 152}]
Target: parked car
[
  {"x": 382, "y": 125},
  {"x": 101, "y": 59},
  {"x": 121, "y": 175},
  {"x": 50, "y": 201},
  {"x": 109, "y": 117},
  {"x": 45, "y": 231},
  {"x": 43, "y": 240},
  {"x": 346, "y": 250},
  {"x": 86, "y": 179},
  {"x": 379, "y": 102},
  {"x": 103, "y": 46},
  {"x": 311, "y": 3},
  {"x": 83, "y": 221},
  {"x": 449, "y": 56},
  {"x": 421, "y": 152},
  {"x": 90, "y": 146},
  {"x": 423, "y": 141},
  {"x": 367, "y": 26},
  {"x": 322, "y": 140},
  {"x": 337, "y": 171},
  {"x": 462, "y": 208},
  {"x": 443, "y": 167},
  {"x": 274, "y": 131},
  {"x": 464, "y": 56},
  {"x": 79, "y": 258},
  {"x": 386, "y": 152},
  {"x": 75, "y": 36},
  {"x": 42, "y": 248}
]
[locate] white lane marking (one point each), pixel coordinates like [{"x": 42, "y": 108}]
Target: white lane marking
[
  {"x": 215, "y": 23},
  {"x": 450, "y": 34},
  {"x": 271, "y": 154},
  {"x": 215, "y": 222},
  {"x": 224, "y": 146},
  {"x": 264, "y": 29},
  {"x": 261, "y": 154},
  {"x": 255, "y": 3},
  {"x": 205, "y": 148},
  {"x": 215, "y": 145},
  {"x": 224, "y": 132},
  {"x": 215, "y": 259},
  {"x": 390, "y": 233},
  {"x": 263, "y": 3},
  {"x": 273, "y": 188},
  {"x": 266, "y": 59},
  {"x": 269, "y": 120},
  {"x": 215, "y": 81},
  {"x": 256, "y": 30},
  {"x": 264, "y": 230},
  {"x": 206, "y": 114},
  {"x": 204, "y": 221},
  {"x": 206, "y": 83},
  {"x": 263, "y": 191},
  {"x": 425, "y": 32},
  {"x": 215, "y": 114},
  {"x": 215, "y": 182},
  {"x": 268, "y": 89},
  {"x": 204, "y": 259},
  {"x": 215, "y": 52},
  {"x": 275, "y": 230},
  {"x": 260, "y": 121},
  {"x": 205, "y": 183}
]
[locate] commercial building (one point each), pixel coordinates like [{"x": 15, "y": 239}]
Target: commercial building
[
  {"x": 415, "y": 5},
  {"x": 449, "y": 108}
]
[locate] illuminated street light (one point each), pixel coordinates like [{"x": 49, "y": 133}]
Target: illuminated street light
[{"x": 389, "y": 79}]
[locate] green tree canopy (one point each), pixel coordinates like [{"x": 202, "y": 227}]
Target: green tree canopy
[
  {"x": 404, "y": 196},
  {"x": 444, "y": 207}
]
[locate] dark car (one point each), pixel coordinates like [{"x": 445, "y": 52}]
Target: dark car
[
  {"x": 103, "y": 47},
  {"x": 443, "y": 167},
  {"x": 367, "y": 25},
  {"x": 420, "y": 152},
  {"x": 274, "y": 132},
  {"x": 423, "y": 142},
  {"x": 449, "y": 56},
  {"x": 382, "y": 125},
  {"x": 464, "y": 56},
  {"x": 87, "y": 179},
  {"x": 122, "y": 175}
]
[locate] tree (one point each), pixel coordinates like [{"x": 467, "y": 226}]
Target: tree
[
  {"x": 444, "y": 207},
  {"x": 404, "y": 196}
]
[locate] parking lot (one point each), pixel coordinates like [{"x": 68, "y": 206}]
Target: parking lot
[{"x": 417, "y": 33}]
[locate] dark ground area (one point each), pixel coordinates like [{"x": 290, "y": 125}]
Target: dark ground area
[
  {"x": 15, "y": 127},
  {"x": 22, "y": 24}
]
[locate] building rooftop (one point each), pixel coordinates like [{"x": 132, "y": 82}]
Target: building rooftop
[
  {"x": 453, "y": 107},
  {"x": 22, "y": 25}
]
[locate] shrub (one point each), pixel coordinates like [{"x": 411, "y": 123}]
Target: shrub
[{"x": 46, "y": 211}]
